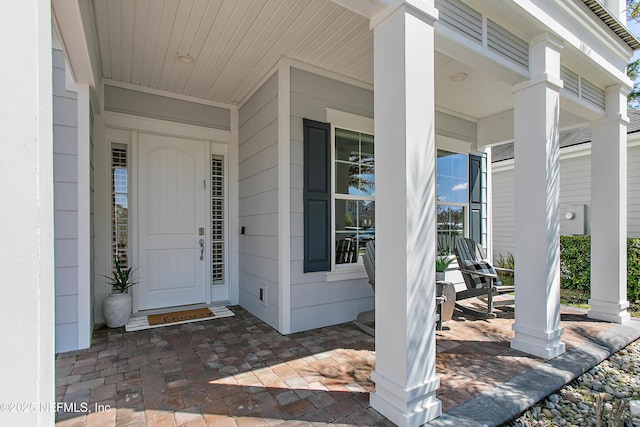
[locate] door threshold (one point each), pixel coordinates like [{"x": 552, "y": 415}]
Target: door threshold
[{"x": 164, "y": 310}]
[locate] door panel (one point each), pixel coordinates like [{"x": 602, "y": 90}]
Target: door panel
[{"x": 171, "y": 210}]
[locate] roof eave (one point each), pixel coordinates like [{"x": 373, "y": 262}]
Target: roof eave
[{"x": 612, "y": 22}]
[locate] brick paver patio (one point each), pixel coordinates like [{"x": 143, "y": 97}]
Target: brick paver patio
[{"x": 238, "y": 371}]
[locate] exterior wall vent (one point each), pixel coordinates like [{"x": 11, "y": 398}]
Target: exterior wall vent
[
  {"x": 461, "y": 18},
  {"x": 571, "y": 81},
  {"x": 507, "y": 44},
  {"x": 592, "y": 93}
]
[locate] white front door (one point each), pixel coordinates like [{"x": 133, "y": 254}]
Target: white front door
[{"x": 172, "y": 242}]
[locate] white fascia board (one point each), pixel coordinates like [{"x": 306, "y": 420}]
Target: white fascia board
[
  {"x": 578, "y": 150},
  {"x": 587, "y": 28},
  {"x": 366, "y": 8},
  {"x": 71, "y": 28}
]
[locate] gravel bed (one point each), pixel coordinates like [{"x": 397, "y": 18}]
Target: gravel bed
[{"x": 615, "y": 381}]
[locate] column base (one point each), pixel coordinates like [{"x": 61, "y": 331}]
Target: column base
[
  {"x": 542, "y": 344},
  {"x": 609, "y": 311},
  {"x": 406, "y": 407}
]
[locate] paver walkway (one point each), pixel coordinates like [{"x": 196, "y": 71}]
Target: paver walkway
[{"x": 238, "y": 371}]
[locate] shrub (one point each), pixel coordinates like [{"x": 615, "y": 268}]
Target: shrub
[
  {"x": 575, "y": 262},
  {"x": 633, "y": 269},
  {"x": 506, "y": 261},
  {"x": 575, "y": 265}
]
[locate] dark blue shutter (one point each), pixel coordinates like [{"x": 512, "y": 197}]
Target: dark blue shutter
[
  {"x": 317, "y": 196},
  {"x": 475, "y": 198}
]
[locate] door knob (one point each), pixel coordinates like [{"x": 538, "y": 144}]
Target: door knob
[{"x": 201, "y": 249}]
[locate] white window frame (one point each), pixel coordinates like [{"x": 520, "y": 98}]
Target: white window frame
[
  {"x": 465, "y": 206},
  {"x": 356, "y": 123}
]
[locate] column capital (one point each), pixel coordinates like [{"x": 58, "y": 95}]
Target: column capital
[
  {"x": 421, "y": 9},
  {"x": 544, "y": 56},
  {"x": 549, "y": 40},
  {"x": 550, "y": 80}
]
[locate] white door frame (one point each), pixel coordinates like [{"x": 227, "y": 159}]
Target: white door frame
[
  {"x": 123, "y": 128},
  {"x": 134, "y": 217},
  {"x": 211, "y": 148}
]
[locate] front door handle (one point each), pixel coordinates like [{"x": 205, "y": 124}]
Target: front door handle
[{"x": 201, "y": 249}]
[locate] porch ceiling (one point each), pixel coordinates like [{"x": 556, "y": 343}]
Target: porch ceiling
[{"x": 235, "y": 43}]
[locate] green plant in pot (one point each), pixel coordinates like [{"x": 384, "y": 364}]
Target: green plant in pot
[
  {"x": 116, "y": 308},
  {"x": 443, "y": 260}
]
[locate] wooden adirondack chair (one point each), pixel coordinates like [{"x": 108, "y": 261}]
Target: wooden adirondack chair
[
  {"x": 366, "y": 319},
  {"x": 480, "y": 277}
]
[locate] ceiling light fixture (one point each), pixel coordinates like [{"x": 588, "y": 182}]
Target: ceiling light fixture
[
  {"x": 185, "y": 59},
  {"x": 458, "y": 77}
]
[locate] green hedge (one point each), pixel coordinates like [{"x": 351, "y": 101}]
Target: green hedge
[{"x": 575, "y": 264}]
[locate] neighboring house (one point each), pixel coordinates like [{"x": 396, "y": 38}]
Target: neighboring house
[
  {"x": 228, "y": 149},
  {"x": 575, "y": 186}
]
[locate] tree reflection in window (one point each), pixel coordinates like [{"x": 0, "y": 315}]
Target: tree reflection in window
[{"x": 354, "y": 191}]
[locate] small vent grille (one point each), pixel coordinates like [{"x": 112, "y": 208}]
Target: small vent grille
[
  {"x": 217, "y": 219},
  {"x": 461, "y": 17},
  {"x": 507, "y": 44},
  {"x": 592, "y": 93},
  {"x": 570, "y": 80}
]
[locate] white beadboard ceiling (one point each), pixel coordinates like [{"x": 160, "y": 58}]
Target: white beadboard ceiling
[{"x": 236, "y": 42}]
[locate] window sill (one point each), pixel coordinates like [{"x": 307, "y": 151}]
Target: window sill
[{"x": 349, "y": 273}]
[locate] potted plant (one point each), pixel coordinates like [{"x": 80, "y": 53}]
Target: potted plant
[
  {"x": 443, "y": 260},
  {"x": 117, "y": 306}
]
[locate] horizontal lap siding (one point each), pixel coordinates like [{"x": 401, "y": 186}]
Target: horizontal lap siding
[
  {"x": 258, "y": 201},
  {"x": 314, "y": 301},
  {"x": 65, "y": 154},
  {"x": 503, "y": 213},
  {"x": 575, "y": 189}
]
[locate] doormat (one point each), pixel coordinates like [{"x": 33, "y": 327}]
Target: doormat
[{"x": 177, "y": 318}]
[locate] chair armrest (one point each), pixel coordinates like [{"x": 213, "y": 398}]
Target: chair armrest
[
  {"x": 505, "y": 270},
  {"x": 477, "y": 273}
]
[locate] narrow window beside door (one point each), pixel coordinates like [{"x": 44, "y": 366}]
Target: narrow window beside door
[
  {"x": 217, "y": 219},
  {"x": 119, "y": 205}
]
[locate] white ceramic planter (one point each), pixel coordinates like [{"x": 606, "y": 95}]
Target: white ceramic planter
[{"x": 116, "y": 309}]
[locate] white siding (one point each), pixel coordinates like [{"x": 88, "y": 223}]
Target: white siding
[
  {"x": 633, "y": 191},
  {"x": 503, "y": 212},
  {"x": 65, "y": 148},
  {"x": 575, "y": 189},
  {"x": 258, "y": 201},
  {"x": 314, "y": 301}
]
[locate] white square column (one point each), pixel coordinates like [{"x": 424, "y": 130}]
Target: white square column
[
  {"x": 405, "y": 376},
  {"x": 27, "y": 360},
  {"x": 537, "y": 194},
  {"x": 609, "y": 211}
]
